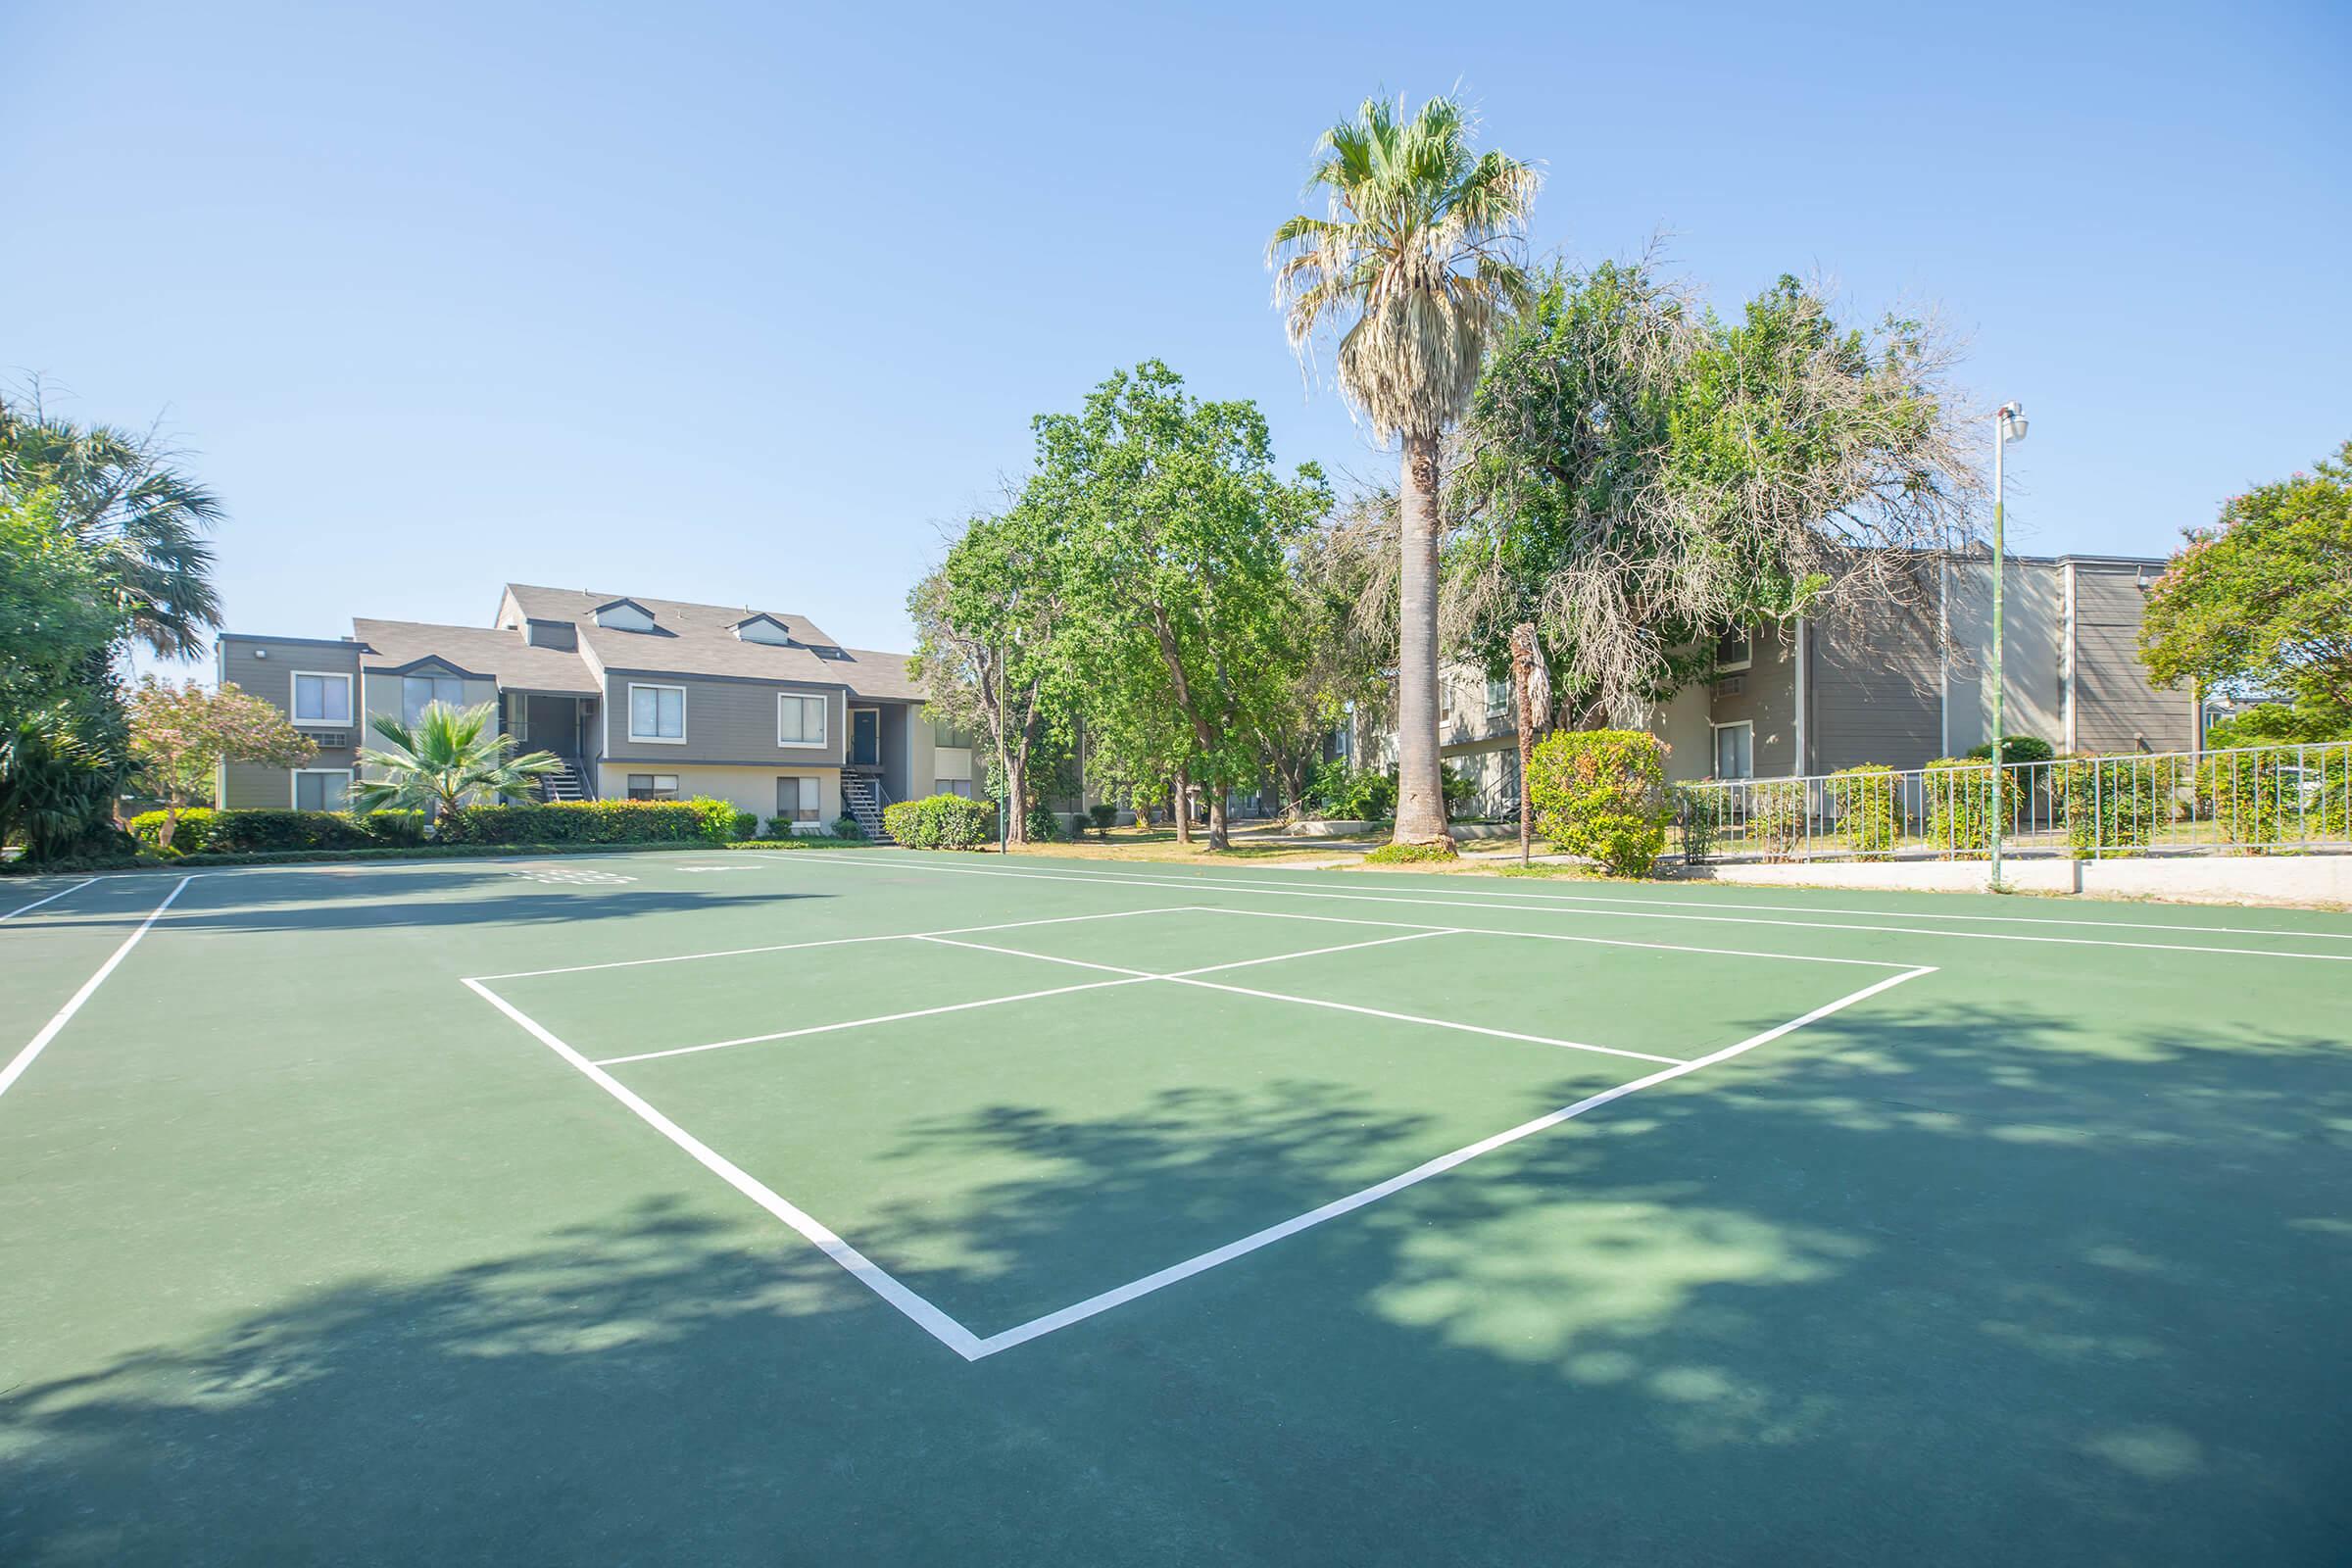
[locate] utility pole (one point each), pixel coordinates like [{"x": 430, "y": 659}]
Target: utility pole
[{"x": 2008, "y": 424}]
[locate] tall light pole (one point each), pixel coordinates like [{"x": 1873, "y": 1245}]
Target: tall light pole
[{"x": 2008, "y": 424}]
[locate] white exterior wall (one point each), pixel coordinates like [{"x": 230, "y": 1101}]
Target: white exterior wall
[{"x": 747, "y": 789}]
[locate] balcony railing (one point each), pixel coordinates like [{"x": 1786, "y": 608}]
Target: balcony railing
[{"x": 2257, "y": 800}]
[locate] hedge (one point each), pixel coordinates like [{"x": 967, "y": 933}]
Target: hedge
[
  {"x": 1603, "y": 794},
  {"x": 1867, "y": 802},
  {"x": 1960, "y": 802},
  {"x": 202, "y": 830},
  {"x": 594, "y": 822},
  {"x": 940, "y": 822}
]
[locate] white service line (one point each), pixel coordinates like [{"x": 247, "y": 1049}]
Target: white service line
[
  {"x": 1195, "y": 884},
  {"x": 1188, "y": 977},
  {"x": 28, "y": 908},
  {"x": 40, "y": 1042},
  {"x": 860, "y": 1023},
  {"x": 940, "y": 1327},
  {"x": 833, "y": 941},
  {"x": 1122, "y": 1295}
]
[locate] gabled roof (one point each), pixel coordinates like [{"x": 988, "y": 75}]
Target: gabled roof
[
  {"x": 395, "y": 646},
  {"x": 615, "y": 604},
  {"x": 688, "y": 639},
  {"x": 756, "y": 617}
]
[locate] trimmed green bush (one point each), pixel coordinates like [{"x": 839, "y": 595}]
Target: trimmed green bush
[
  {"x": 1960, "y": 803},
  {"x": 1106, "y": 817},
  {"x": 1352, "y": 794},
  {"x": 747, "y": 826},
  {"x": 203, "y": 830},
  {"x": 1698, "y": 813},
  {"x": 1603, "y": 794},
  {"x": 593, "y": 823},
  {"x": 1867, "y": 803},
  {"x": 1042, "y": 826},
  {"x": 940, "y": 822},
  {"x": 1412, "y": 854},
  {"x": 846, "y": 826},
  {"x": 2014, "y": 749},
  {"x": 2111, "y": 803}
]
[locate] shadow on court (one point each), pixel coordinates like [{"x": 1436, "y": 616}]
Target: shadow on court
[
  {"x": 514, "y": 902},
  {"x": 1948, "y": 1285}
]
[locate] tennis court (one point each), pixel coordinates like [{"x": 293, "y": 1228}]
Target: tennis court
[{"x": 880, "y": 1206}]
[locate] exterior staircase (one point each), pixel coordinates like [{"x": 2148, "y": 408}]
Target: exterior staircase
[
  {"x": 862, "y": 797},
  {"x": 564, "y": 784}
]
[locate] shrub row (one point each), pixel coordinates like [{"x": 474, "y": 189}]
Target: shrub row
[
  {"x": 202, "y": 830},
  {"x": 598, "y": 822},
  {"x": 940, "y": 822}
]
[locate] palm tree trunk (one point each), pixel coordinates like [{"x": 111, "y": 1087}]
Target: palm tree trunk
[{"x": 1420, "y": 790}]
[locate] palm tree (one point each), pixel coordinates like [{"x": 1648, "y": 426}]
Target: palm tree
[
  {"x": 448, "y": 755},
  {"x": 127, "y": 502},
  {"x": 1418, "y": 258}
]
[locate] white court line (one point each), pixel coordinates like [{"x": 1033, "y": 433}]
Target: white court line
[
  {"x": 860, "y": 1023},
  {"x": 1899, "y": 915},
  {"x": 40, "y": 1042},
  {"x": 832, "y": 942},
  {"x": 1195, "y": 884},
  {"x": 28, "y": 908},
  {"x": 940, "y": 1327},
  {"x": 1187, "y": 977},
  {"x": 1120, "y": 1295}
]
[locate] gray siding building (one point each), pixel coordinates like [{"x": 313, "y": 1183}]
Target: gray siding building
[
  {"x": 646, "y": 699},
  {"x": 1897, "y": 684}
]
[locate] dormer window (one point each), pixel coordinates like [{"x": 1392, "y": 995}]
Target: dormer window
[
  {"x": 624, "y": 615},
  {"x": 763, "y": 629}
]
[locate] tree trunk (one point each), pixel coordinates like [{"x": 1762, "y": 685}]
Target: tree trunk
[
  {"x": 1420, "y": 790},
  {"x": 163, "y": 837},
  {"x": 1184, "y": 807},
  {"x": 1217, "y": 839}
]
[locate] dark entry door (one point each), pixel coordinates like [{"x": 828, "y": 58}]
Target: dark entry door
[{"x": 865, "y": 738}]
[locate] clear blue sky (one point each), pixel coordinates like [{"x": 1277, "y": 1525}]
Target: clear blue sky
[{"x": 747, "y": 304}]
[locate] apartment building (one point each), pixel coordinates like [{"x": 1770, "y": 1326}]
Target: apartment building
[
  {"x": 639, "y": 698},
  {"x": 1895, "y": 684}
]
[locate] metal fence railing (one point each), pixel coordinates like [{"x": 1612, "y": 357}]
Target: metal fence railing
[{"x": 2257, "y": 800}]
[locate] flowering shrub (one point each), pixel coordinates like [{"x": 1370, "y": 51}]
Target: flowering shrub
[{"x": 1603, "y": 794}]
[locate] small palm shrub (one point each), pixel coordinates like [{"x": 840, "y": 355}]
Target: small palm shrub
[{"x": 1603, "y": 794}]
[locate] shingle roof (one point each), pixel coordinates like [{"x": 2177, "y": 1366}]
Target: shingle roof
[
  {"x": 477, "y": 650},
  {"x": 693, "y": 639}
]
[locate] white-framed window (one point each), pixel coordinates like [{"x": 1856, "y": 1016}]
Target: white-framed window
[
  {"x": 953, "y": 786},
  {"x": 1498, "y": 696},
  {"x": 419, "y": 692},
  {"x": 321, "y": 698},
  {"x": 322, "y": 789},
  {"x": 1735, "y": 749},
  {"x": 1734, "y": 650},
  {"x": 657, "y": 713},
  {"x": 799, "y": 720},
  {"x": 653, "y": 786},
  {"x": 798, "y": 800},
  {"x": 944, "y": 733}
]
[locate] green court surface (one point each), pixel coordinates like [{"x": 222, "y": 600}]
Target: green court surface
[{"x": 882, "y": 1208}]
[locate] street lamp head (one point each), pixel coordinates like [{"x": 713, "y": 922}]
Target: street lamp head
[{"x": 2013, "y": 421}]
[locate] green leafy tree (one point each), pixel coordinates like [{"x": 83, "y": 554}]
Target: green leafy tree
[
  {"x": 123, "y": 496},
  {"x": 1414, "y": 263},
  {"x": 1640, "y": 476},
  {"x": 991, "y": 649},
  {"x": 181, "y": 734},
  {"x": 57, "y": 615},
  {"x": 450, "y": 757},
  {"x": 1179, "y": 542},
  {"x": 2261, "y": 602}
]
